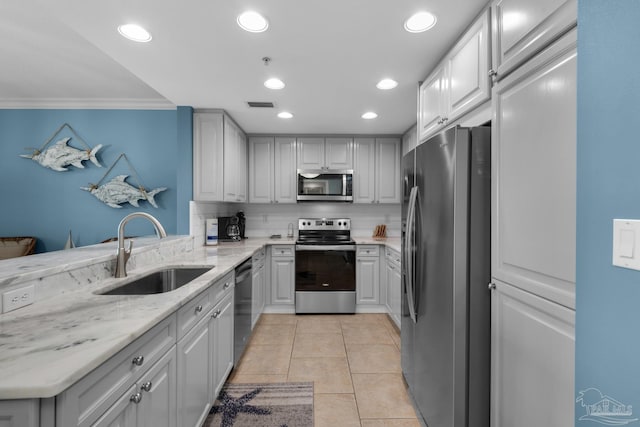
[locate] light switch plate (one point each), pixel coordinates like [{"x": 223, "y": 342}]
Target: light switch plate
[{"x": 626, "y": 243}]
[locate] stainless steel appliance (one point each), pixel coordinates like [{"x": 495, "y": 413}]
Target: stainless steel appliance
[
  {"x": 322, "y": 185},
  {"x": 445, "y": 326},
  {"x": 325, "y": 278},
  {"x": 242, "y": 309}
]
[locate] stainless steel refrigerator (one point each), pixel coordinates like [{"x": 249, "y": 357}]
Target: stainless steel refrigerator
[{"x": 446, "y": 248}]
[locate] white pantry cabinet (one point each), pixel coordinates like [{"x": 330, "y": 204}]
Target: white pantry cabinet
[
  {"x": 459, "y": 83},
  {"x": 521, "y": 28},
  {"x": 325, "y": 153},
  {"x": 376, "y": 172},
  {"x": 368, "y": 274},
  {"x": 272, "y": 169},
  {"x": 534, "y": 174},
  {"x": 532, "y": 366},
  {"x": 219, "y": 158}
]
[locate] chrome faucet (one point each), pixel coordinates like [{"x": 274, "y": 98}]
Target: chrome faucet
[{"x": 124, "y": 254}]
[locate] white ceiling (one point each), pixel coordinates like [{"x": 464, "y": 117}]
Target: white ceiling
[{"x": 68, "y": 53}]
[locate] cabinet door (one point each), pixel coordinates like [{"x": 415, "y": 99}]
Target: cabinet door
[
  {"x": 432, "y": 103},
  {"x": 285, "y": 170},
  {"x": 282, "y": 280},
  {"x": 310, "y": 153},
  {"x": 387, "y": 170},
  {"x": 364, "y": 171},
  {"x": 20, "y": 413},
  {"x": 194, "y": 375},
  {"x": 261, "y": 171},
  {"x": 222, "y": 342},
  {"x": 208, "y": 140},
  {"x": 257, "y": 295},
  {"x": 231, "y": 156},
  {"x": 123, "y": 413},
  {"x": 368, "y": 280},
  {"x": 409, "y": 140},
  {"x": 469, "y": 69},
  {"x": 242, "y": 171},
  {"x": 158, "y": 387},
  {"x": 395, "y": 291},
  {"x": 534, "y": 175},
  {"x": 338, "y": 153},
  {"x": 521, "y": 28},
  {"x": 532, "y": 351}
]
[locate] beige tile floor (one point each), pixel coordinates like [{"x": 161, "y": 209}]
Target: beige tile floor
[{"x": 353, "y": 361}]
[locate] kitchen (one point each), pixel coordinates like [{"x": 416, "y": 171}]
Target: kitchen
[{"x": 612, "y": 310}]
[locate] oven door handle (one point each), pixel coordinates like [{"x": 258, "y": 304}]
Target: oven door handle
[{"x": 347, "y": 248}]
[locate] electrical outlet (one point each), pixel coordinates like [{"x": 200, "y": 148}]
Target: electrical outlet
[{"x": 16, "y": 298}]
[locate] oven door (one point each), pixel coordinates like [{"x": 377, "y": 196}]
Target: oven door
[{"x": 325, "y": 268}]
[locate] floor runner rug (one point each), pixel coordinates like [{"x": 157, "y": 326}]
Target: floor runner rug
[{"x": 263, "y": 405}]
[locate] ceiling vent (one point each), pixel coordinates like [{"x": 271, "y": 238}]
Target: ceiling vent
[{"x": 260, "y": 104}]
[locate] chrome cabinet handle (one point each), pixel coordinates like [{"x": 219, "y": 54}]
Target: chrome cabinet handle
[
  {"x": 199, "y": 309},
  {"x": 492, "y": 286},
  {"x": 136, "y": 398},
  {"x": 146, "y": 386},
  {"x": 138, "y": 360},
  {"x": 226, "y": 285},
  {"x": 492, "y": 72},
  {"x": 216, "y": 314}
]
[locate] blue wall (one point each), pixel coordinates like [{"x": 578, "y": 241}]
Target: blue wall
[
  {"x": 47, "y": 204},
  {"x": 607, "y": 297}
]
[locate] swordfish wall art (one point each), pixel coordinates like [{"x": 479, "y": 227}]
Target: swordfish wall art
[
  {"x": 60, "y": 155},
  {"x": 113, "y": 193}
]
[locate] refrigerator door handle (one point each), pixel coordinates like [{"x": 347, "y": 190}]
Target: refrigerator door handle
[{"x": 409, "y": 250}]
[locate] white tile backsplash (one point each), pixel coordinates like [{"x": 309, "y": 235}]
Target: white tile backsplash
[{"x": 264, "y": 220}]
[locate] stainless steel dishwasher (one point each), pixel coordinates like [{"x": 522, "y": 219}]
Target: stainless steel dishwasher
[{"x": 242, "y": 306}]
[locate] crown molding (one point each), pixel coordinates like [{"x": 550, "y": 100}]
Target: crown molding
[{"x": 86, "y": 104}]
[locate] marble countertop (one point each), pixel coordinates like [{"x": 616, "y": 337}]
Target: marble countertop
[{"x": 48, "y": 346}]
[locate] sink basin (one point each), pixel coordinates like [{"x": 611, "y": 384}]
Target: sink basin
[{"x": 159, "y": 282}]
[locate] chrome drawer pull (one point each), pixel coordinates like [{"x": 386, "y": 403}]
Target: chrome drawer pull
[
  {"x": 198, "y": 309},
  {"x": 146, "y": 386},
  {"x": 138, "y": 360},
  {"x": 216, "y": 314},
  {"x": 136, "y": 398}
]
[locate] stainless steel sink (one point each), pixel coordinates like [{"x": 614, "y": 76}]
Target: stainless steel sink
[{"x": 159, "y": 282}]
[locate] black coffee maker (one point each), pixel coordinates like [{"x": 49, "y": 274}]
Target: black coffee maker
[{"x": 241, "y": 223}]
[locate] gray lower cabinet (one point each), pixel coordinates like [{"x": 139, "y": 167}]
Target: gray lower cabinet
[
  {"x": 222, "y": 342},
  {"x": 194, "y": 375},
  {"x": 283, "y": 268},
  {"x": 368, "y": 274},
  {"x": 394, "y": 284},
  {"x": 23, "y": 413}
]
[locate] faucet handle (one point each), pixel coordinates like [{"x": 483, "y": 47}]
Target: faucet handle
[{"x": 127, "y": 252}]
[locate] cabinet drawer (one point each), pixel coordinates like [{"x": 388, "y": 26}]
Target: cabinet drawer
[
  {"x": 281, "y": 250},
  {"x": 392, "y": 256},
  {"x": 368, "y": 250},
  {"x": 191, "y": 313},
  {"x": 258, "y": 256},
  {"x": 85, "y": 401},
  {"x": 221, "y": 287}
]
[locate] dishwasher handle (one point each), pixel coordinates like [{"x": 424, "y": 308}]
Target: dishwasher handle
[
  {"x": 242, "y": 277},
  {"x": 243, "y": 271}
]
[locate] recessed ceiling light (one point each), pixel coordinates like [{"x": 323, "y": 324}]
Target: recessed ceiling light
[
  {"x": 369, "y": 115},
  {"x": 386, "y": 84},
  {"x": 285, "y": 115},
  {"x": 420, "y": 22},
  {"x": 253, "y": 22},
  {"x": 274, "y": 84},
  {"x": 134, "y": 32}
]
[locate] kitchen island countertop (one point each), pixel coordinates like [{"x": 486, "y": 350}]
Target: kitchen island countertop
[{"x": 48, "y": 346}]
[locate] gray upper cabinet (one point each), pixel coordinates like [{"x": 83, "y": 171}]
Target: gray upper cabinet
[
  {"x": 272, "y": 169},
  {"x": 325, "y": 153},
  {"x": 219, "y": 158},
  {"x": 459, "y": 83},
  {"x": 376, "y": 171},
  {"x": 521, "y": 28}
]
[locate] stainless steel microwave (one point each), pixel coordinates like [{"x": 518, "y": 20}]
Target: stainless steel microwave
[{"x": 321, "y": 185}]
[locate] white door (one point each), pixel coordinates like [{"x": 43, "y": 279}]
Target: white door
[
  {"x": 339, "y": 153},
  {"x": 387, "y": 170},
  {"x": 364, "y": 171},
  {"x": 208, "y": 141},
  {"x": 432, "y": 103},
  {"x": 282, "y": 280},
  {"x": 158, "y": 388},
  {"x": 310, "y": 153},
  {"x": 285, "y": 170},
  {"x": 368, "y": 280},
  {"x": 261, "y": 171},
  {"x": 222, "y": 320}
]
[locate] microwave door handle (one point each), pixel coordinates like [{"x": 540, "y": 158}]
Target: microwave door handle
[{"x": 344, "y": 184}]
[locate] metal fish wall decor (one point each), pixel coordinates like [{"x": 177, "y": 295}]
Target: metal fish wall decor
[{"x": 118, "y": 191}]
